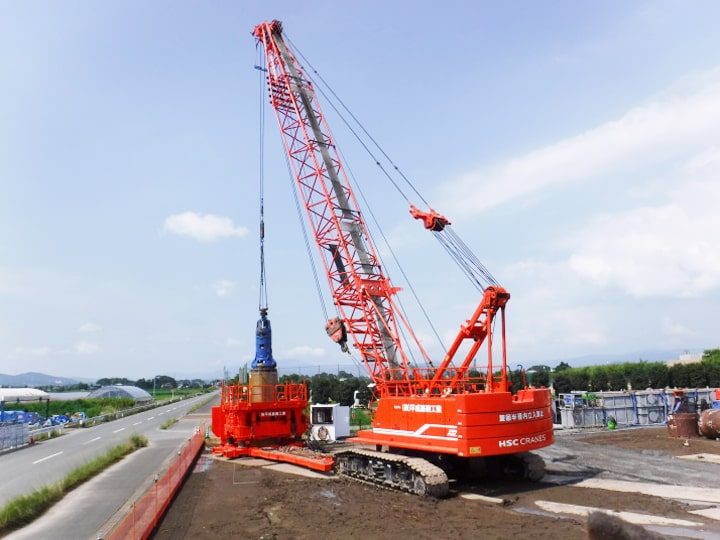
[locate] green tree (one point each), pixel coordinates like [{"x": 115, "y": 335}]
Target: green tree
[
  {"x": 110, "y": 381},
  {"x": 616, "y": 378},
  {"x": 144, "y": 384},
  {"x": 711, "y": 362},
  {"x": 562, "y": 382},
  {"x": 538, "y": 376},
  {"x": 327, "y": 388},
  {"x": 657, "y": 375},
  {"x": 696, "y": 375},
  {"x": 562, "y": 366},
  {"x": 679, "y": 376},
  {"x": 580, "y": 379},
  {"x": 599, "y": 378},
  {"x": 292, "y": 378},
  {"x": 165, "y": 381},
  {"x": 516, "y": 379},
  {"x": 322, "y": 387}
]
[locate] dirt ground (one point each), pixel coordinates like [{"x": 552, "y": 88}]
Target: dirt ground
[{"x": 229, "y": 499}]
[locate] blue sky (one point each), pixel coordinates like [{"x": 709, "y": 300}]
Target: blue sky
[{"x": 574, "y": 146}]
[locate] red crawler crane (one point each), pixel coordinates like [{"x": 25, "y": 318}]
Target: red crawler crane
[{"x": 440, "y": 413}]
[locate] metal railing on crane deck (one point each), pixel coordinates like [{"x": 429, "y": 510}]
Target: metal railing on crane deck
[
  {"x": 457, "y": 381},
  {"x": 262, "y": 393}
]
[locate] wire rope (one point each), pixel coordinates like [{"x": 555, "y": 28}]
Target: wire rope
[
  {"x": 308, "y": 249},
  {"x": 263, "y": 301},
  {"x": 456, "y": 248}
]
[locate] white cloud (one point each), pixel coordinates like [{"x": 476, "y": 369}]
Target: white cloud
[
  {"x": 84, "y": 347},
  {"x": 663, "y": 158},
  {"x": 669, "y": 127},
  {"x": 206, "y": 228},
  {"x": 303, "y": 351},
  {"x": 232, "y": 342},
  {"x": 670, "y": 250},
  {"x": 540, "y": 317},
  {"x": 703, "y": 159},
  {"x": 223, "y": 287},
  {"x": 20, "y": 281},
  {"x": 665, "y": 251},
  {"x": 675, "y": 328},
  {"x": 89, "y": 327},
  {"x": 33, "y": 351}
]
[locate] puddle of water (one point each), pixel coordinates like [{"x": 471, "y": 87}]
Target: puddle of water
[{"x": 330, "y": 494}]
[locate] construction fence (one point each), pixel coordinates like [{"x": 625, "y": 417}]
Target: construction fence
[
  {"x": 640, "y": 408},
  {"x": 13, "y": 435},
  {"x": 145, "y": 513}
]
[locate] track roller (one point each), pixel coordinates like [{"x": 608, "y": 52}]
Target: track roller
[{"x": 392, "y": 471}]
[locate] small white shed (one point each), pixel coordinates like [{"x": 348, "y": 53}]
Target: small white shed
[{"x": 330, "y": 422}]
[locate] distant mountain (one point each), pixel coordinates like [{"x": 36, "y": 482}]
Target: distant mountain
[
  {"x": 602, "y": 359},
  {"x": 35, "y": 379}
]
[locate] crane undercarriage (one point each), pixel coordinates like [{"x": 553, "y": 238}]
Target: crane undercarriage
[
  {"x": 392, "y": 471},
  {"x": 431, "y": 475}
]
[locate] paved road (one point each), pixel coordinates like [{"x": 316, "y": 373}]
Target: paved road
[
  {"x": 569, "y": 460},
  {"x": 85, "y": 511}
]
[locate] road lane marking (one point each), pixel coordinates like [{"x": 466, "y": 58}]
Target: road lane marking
[
  {"x": 119, "y": 430},
  {"x": 93, "y": 440},
  {"x": 137, "y": 423},
  {"x": 151, "y": 418},
  {"x": 46, "y": 457}
]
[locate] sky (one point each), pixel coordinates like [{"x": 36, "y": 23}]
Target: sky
[{"x": 575, "y": 147}]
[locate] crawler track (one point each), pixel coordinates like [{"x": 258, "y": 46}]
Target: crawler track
[
  {"x": 520, "y": 466},
  {"x": 534, "y": 466},
  {"x": 393, "y": 472}
]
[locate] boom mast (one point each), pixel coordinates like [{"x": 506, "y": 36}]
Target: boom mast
[{"x": 362, "y": 294}]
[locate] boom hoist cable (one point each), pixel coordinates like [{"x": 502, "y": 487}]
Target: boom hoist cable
[{"x": 475, "y": 271}]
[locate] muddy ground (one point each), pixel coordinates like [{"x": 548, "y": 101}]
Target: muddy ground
[{"x": 233, "y": 499}]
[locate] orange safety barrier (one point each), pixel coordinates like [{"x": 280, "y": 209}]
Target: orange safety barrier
[{"x": 145, "y": 513}]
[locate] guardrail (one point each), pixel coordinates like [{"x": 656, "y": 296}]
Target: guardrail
[
  {"x": 16, "y": 435},
  {"x": 12, "y": 435},
  {"x": 145, "y": 513}
]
